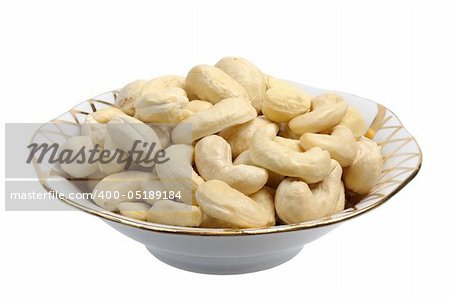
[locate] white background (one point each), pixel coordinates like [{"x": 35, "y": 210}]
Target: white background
[{"x": 54, "y": 54}]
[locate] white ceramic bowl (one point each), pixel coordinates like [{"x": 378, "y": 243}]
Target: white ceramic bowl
[{"x": 231, "y": 251}]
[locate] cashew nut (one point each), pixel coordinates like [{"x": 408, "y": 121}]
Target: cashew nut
[
  {"x": 162, "y": 106},
  {"x": 125, "y": 186},
  {"x": 94, "y": 124},
  {"x": 212, "y": 84},
  {"x": 173, "y": 213},
  {"x": 70, "y": 148},
  {"x": 211, "y": 222},
  {"x": 163, "y": 133},
  {"x": 196, "y": 106},
  {"x": 177, "y": 174},
  {"x": 292, "y": 144},
  {"x": 286, "y": 132},
  {"x": 248, "y": 75},
  {"x": 327, "y": 110},
  {"x": 128, "y": 94},
  {"x": 136, "y": 210},
  {"x": 114, "y": 166},
  {"x": 355, "y": 121},
  {"x": 163, "y": 82},
  {"x": 273, "y": 180},
  {"x": 311, "y": 166},
  {"x": 238, "y": 136},
  {"x": 366, "y": 169},
  {"x": 296, "y": 202},
  {"x": 284, "y": 101},
  {"x": 218, "y": 200},
  {"x": 124, "y": 131},
  {"x": 213, "y": 161},
  {"x": 224, "y": 114},
  {"x": 340, "y": 144}
]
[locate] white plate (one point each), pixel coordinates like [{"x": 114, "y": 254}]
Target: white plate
[{"x": 230, "y": 251}]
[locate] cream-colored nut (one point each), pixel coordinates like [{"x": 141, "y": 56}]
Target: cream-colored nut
[
  {"x": 248, "y": 75},
  {"x": 163, "y": 133},
  {"x": 273, "y": 180},
  {"x": 177, "y": 174},
  {"x": 286, "y": 132},
  {"x": 71, "y": 148},
  {"x": 125, "y": 131},
  {"x": 162, "y": 106},
  {"x": 355, "y": 121},
  {"x": 327, "y": 111},
  {"x": 292, "y": 144},
  {"x": 366, "y": 169},
  {"x": 196, "y": 106},
  {"x": 105, "y": 115},
  {"x": 265, "y": 199},
  {"x": 311, "y": 166},
  {"x": 211, "y": 222},
  {"x": 340, "y": 144},
  {"x": 173, "y": 213},
  {"x": 212, "y": 84},
  {"x": 128, "y": 186},
  {"x": 94, "y": 127},
  {"x": 296, "y": 202},
  {"x": 224, "y": 114},
  {"x": 128, "y": 94},
  {"x": 163, "y": 82},
  {"x": 94, "y": 130},
  {"x": 271, "y": 81},
  {"x": 284, "y": 101},
  {"x": 213, "y": 161},
  {"x": 239, "y": 136},
  {"x": 136, "y": 210},
  {"x": 117, "y": 164},
  {"x": 219, "y": 200}
]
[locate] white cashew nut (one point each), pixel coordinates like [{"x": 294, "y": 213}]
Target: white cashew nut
[
  {"x": 213, "y": 161},
  {"x": 94, "y": 124},
  {"x": 173, "y": 213},
  {"x": 224, "y": 114},
  {"x": 128, "y": 94},
  {"x": 366, "y": 169},
  {"x": 239, "y": 136},
  {"x": 114, "y": 166},
  {"x": 212, "y": 84},
  {"x": 72, "y": 146},
  {"x": 296, "y": 202},
  {"x": 163, "y": 132},
  {"x": 163, "y": 82},
  {"x": 218, "y": 200},
  {"x": 127, "y": 186},
  {"x": 311, "y": 166},
  {"x": 340, "y": 144},
  {"x": 177, "y": 174},
  {"x": 248, "y": 75},
  {"x": 284, "y": 101},
  {"x": 196, "y": 106},
  {"x": 327, "y": 111},
  {"x": 162, "y": 106},
  {"x": 355, "y": 121},
  {"x": 273, "y": 180},
  {"x": 124, "y": 131},
  {"x": 136, "y": 210}
]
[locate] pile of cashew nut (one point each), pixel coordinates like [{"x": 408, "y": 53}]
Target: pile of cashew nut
[{"x": 261, "y": 152}]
